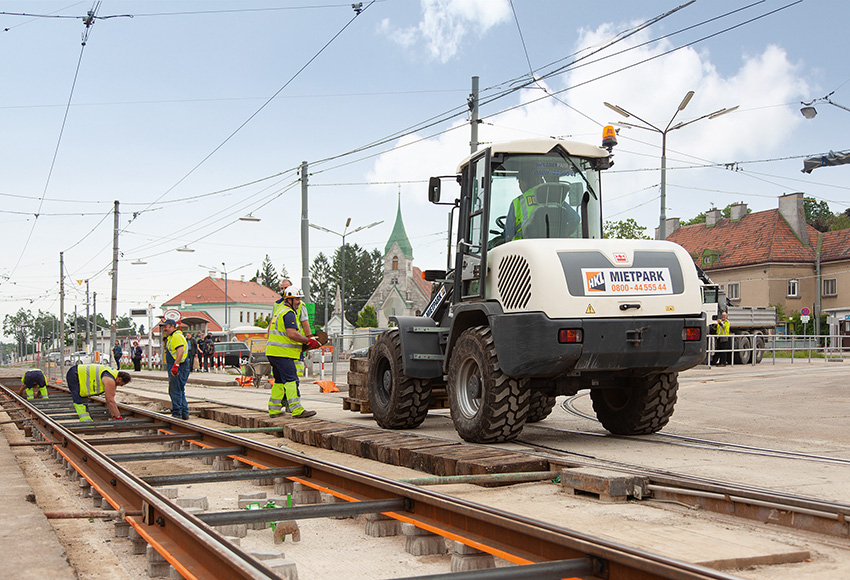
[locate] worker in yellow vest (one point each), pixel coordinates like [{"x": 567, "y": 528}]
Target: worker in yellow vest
[
  {"x": 724, "y": 352},
  {"x": 303, "y": 320},
  {"x": 34, "y": 378},
  {"x": 85, "y": 381},
  {"x": 285, "y": 344}
]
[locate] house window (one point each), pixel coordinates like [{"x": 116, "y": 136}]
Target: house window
[
  {"x": 793, "y": 288},
  {"x": 240, "y": 316},
  {"x": 395, "y": 262},
  {"x": 830, "y": 287},
  {"x": 733, "y": 290}
]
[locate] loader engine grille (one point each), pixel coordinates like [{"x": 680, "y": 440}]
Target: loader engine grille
[{"x": 514, "y": 282}]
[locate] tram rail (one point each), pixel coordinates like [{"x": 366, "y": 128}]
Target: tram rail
[{"x": 190, "y": 544}]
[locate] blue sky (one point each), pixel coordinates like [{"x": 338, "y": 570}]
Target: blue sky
[{"x": 192, "y": 114}]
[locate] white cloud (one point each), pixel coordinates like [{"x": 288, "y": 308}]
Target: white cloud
[{"x": 445, "y": 24}]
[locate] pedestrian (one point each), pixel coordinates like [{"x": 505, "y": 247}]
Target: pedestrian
[
  {"x": 205, "y": 349},
  {"x": 283, "y": 348},
  {"x": 117, "y": 352},
  {"x": 724, "y": 344},
  {"x": 176, "y": 350},
  {"x": 303, "y": 319},
  {"x": 193, "y": 350},
  {"x": 137, "y": 356},
  {"x": 86, "y": 380},
  {"x": 31, "y": 379}
]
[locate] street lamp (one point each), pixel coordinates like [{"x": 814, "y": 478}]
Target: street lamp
[
  {"x": 808, "y": 109},
  {"x": 662, "y": 225},
  {"x": 344, "y": 233},
  {"x": 223, "y": 270}
]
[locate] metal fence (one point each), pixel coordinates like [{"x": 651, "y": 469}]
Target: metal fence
[{"x": 752, "y": 349}]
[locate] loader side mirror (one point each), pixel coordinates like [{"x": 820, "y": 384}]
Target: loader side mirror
[
  {"x": 433, "y": 275},
  {"x": 434, "y": 190}
]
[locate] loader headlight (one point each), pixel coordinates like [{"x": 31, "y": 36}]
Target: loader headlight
[{"x": 569, "y": 335}]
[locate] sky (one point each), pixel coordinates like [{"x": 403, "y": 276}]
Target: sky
[{"x": 193, "y": 114}]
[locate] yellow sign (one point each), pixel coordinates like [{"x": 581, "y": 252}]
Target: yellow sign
[
  {"x": 670, "y": 309},
  {"x": 79, "y": 281},
  {"x": 590, "y": 309}
]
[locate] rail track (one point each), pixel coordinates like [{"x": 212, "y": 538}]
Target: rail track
[{"x": 192, "y": 546}]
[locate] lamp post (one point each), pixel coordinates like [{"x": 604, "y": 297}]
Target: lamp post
[
  {"x": 344, "y": 233},
  {"x": 662, "y": 224},
  {"x": 223, "y": 270}
]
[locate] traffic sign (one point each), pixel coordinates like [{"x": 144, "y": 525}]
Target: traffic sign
[
  {"x": 805, "y": 319},
  {"x": 805, "y": 311},
  {"x": 172, "y": 314}
]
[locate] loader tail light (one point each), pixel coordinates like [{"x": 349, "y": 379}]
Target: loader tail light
[
  {"x": 692, "y": 334},
  {"x": 569, "y": 335}
]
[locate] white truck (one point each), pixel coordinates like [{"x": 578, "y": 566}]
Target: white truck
[
  {"x": 535, "y": 304},
  {"x": 749, "y": 325}
]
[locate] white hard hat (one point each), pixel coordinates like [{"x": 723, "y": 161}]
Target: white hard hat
[{"x": 293, "y": 292}]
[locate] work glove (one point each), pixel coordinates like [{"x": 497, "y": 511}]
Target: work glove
[
  {"x": 174, "y": 369},
  {"x": 118, "y": 418},
  {"x": 313, "y": 343}
]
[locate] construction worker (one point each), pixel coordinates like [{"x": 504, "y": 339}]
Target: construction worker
[
  {"x": 523, "y": 207},
  {"x": 176, "y": 360},
  {"x": 285, "y": 344},
  {"x": 31, "y": 379},
  {"x": 724, "y": 354},
  {"x": 303, "y": 319},
  {"x": 86, "y": 380}
]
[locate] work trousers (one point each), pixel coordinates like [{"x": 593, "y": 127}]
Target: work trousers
[
  {"x": 33, "y": 379},
  {"x": 81, "y": 404},
  {"x": 285, "y": 387},
  {"x": 177, "y": 387}
]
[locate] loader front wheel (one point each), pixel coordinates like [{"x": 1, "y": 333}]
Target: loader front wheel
[
  {"x": 643, "y": 406},
  {"x": 397, "y": 400},
  {"x": 487, "y": 405}
]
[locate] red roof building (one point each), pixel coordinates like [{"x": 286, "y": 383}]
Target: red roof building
[
  {"x": 771, "y": 257},
  {"x": 204, "y": 307}
]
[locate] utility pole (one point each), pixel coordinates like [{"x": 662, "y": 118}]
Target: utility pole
[
  {"x": 305, "y": 236},
  {"x": 94, "y": 327},
  {"x": 113, "y": 322},
  {"x": 88, "y": 315},
  {"x": 75, "y": 329},
  {"x": 61, "y": 308},
  {"x": 473, "y": 119}
]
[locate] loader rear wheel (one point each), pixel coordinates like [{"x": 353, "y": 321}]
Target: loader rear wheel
[
  {"x": 397, "y": 401},
  {"x": 540, "y": 406},
  {"x": 642, "y": 407},
  {"x": 487, "y": 405}
]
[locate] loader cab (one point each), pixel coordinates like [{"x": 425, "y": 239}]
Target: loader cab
[{"x": 524, "y": 190}]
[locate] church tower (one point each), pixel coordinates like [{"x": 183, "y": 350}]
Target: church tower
[{"x": 402, "y": 291}]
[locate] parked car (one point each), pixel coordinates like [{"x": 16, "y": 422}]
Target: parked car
[
  {"x": 79, "y": 358},
  {"x": 53, "y": 357},
  {"x": 235, "y": 353}
]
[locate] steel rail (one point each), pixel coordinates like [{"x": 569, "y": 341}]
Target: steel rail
[{"x": 509, "y": 536}]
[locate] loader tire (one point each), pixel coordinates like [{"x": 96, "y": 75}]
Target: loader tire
[
  {"x": 397, "y": 400},
  {"x": 539, "y": 407},
  {"x": 644, "y": 406},
  {"x": 487, "y": 406}
]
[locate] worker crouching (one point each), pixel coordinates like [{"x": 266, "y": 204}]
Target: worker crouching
[
  {"x": 34, "y": 378},
  {"x": 85, "y": 381}
]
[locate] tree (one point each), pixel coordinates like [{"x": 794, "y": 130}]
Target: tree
[
  {"x": 267, "y": 276},
  {"x": 363, "y": 270},
  {"x": 367, "y": 318},
  {"x": 19, "y": 325},
  {"x": 627, "y": 229},
  {"x": 320, "y": 286}
]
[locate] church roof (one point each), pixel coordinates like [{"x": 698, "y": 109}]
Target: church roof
[{"x": 399, "y": 236}]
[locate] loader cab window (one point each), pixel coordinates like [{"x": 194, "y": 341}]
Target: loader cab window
[{"x": 543, "y": 196}]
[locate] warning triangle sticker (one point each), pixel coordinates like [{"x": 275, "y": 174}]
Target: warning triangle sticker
[{"x": 590, "y": 309}]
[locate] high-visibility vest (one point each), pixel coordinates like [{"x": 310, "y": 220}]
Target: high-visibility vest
[
  {"x": 723, "y": 327},
  {"x": 279, "y": 343},
  {"x": 174, "y": 341},
  {"x": 91, "y": 378}
]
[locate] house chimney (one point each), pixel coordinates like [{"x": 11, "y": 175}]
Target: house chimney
[
  {"x": 712, "y": 216},
  {"x": 791, "y": 209},
  {"x": 242, "y": 277},
  {"x": 738, "y": 211},
  {"x": 672, "y": 225}
]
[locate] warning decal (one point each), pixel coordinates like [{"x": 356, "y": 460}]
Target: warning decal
[{"x": 626, "y": 281}]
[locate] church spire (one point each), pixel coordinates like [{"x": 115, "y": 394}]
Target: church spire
[{"x": 399, "y": 236}]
